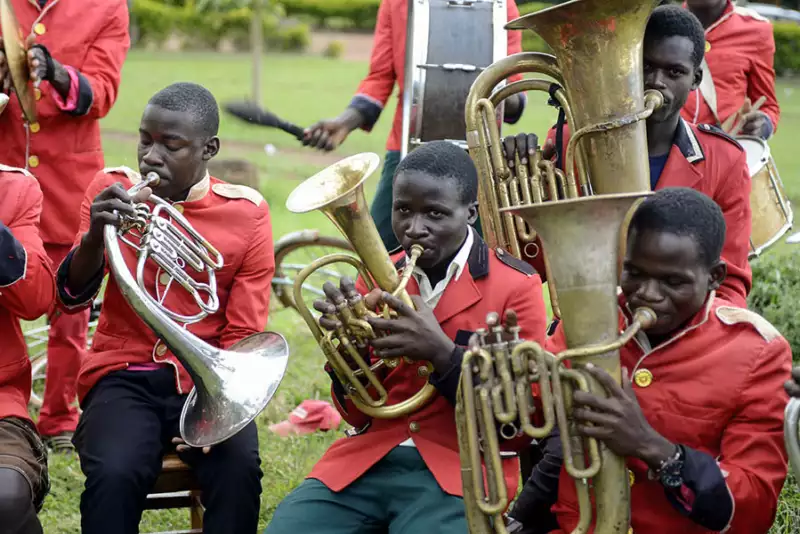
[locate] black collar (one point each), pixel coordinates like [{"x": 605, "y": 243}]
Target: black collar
[{"x": 686, "y": 141}]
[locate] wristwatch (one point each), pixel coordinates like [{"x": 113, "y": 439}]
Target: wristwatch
[{"x": 669, "y": 472}]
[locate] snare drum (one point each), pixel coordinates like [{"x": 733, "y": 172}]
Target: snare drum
[{"x": 771, "y": 210}]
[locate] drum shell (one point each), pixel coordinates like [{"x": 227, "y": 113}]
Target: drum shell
[
  {"x": 771, "y": 211},
  {"x": 448, "y": 43}
]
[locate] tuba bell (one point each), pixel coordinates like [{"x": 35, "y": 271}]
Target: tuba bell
[
  {"x": 597, "y": 68},
  {"x": 231, "y": 387},
  {"x": 338, "y": 192}
]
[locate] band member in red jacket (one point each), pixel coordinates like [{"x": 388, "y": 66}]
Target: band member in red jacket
[
  {"x": 684, "y": 155},
  {"x": 387, "y": 69},
  {"x": 402, "y": 475},
  {"x": 27, "y": 290},
  {"x": 740, "y": 51},
  {"x": 132, "y": 388},
  {"x": 77, "y": 60},
  {"x": 699, "y": 415}
]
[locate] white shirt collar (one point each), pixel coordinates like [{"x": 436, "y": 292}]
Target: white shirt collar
[{"x": 431, "y": 295}]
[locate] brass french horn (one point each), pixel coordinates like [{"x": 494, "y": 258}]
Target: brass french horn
[{"x": 231, "y": 387}]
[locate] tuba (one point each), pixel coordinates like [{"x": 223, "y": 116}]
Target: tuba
[
  {"x": 338, "y": 192},
  {"x": 231, "y": 387},
  {"x": 579, "y": 216}
]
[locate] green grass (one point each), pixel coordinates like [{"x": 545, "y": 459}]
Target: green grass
[{"x": 302, "y": 90}]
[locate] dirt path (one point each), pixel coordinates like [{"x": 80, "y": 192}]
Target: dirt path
[{"x": 233, "y": 146}]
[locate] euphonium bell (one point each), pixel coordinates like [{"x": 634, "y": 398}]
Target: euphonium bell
[
  {"x": 231, "y": 387},
  {"x": 338, "y": 192}
]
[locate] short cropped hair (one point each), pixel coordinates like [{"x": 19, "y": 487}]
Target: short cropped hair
[
  {"x": 444, "y": 160},
  {"x": 194, "y": 99},
  {"x": 673, "y": 20},
  {"x": 684, "y": 212}
]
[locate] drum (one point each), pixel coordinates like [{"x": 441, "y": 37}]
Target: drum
[
  {"x": 448, "y": 43},
  {"x": 771, "y": 210}
]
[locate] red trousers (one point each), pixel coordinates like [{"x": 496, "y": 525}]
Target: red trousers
[{"x": 65, "y": 348}]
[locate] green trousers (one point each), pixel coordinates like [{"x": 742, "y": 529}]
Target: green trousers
[
  {"x": 398, "y": 495},
  {"x": 381, "y": 209}
]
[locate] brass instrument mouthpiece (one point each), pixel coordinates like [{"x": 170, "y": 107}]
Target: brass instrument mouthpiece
[{"x": 152, "y": 179}]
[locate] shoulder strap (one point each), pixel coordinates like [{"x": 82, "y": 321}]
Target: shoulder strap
[
  {"x": 719, "y": 132},
  {"x": 708, "y": 90},
  {"x": 514, "y": 262},
  {"x": 8, "y": 168},
  {"x": 132, "y": 175},
  {"x": 731, "y": 315},
  {"x": 235, "y": 191}
]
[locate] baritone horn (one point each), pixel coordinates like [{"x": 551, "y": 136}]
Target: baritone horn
[
  {"x": 338, "y": 192},
  {"x": 597, "y": 68},
  {"x": 231, "y": 387}
]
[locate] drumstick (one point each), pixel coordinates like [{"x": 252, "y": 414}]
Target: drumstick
[
  {"x": 252, "y": 113},
  {"x": 738, "y": 126}
]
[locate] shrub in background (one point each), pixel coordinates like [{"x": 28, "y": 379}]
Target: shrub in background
[
  {"x": 787, "y": 48},
  {"x": 205, "y": 26},
  {"x": 334, "y": 50}
]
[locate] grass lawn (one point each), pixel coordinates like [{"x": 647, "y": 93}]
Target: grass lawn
[{"x": 302, "y": 90}]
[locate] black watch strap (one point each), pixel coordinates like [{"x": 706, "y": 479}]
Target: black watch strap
[{"x": 670, "y": 472}]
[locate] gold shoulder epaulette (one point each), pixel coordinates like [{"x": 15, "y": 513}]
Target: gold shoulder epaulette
[
  {"x": 235, "y": 191},
  {"x": 8, "y": 168},
  {"x": 132, "y": 175},
  {"x": 731, "y": 315},
  {"x": 747, "y": 12}
]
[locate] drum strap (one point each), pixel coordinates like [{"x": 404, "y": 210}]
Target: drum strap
[{"x": 708, "y": 91}]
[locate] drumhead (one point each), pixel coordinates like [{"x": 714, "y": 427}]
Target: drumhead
[{"x": 757, "y": 153}]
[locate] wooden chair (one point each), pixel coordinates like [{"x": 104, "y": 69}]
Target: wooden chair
[{"x": 176, "y": 487}]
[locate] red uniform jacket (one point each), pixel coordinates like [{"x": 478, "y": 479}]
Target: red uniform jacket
[
  {"x": 740, "y": 53},
  {"x": 388, "y": 62},
  {"x": 27, "y": 286},
  {"x": 236, "y": 220},
  {"x": 495, "y": 282},
  {"x": 706, "y": 160},
  {"x": 91, "y": 36},
  {"x": 717, "y": 390}
]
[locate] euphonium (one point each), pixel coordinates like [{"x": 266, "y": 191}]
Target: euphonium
[
  {"x": 791, "y": 435},
  {"x": 338, "y": 192},
  {"x": 231, "y": 387},
  {"x": 598, "y": 69}
]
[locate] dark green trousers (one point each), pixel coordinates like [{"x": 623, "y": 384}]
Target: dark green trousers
[
  {"x": 398, "y": 495},
  {"x": 381, "y": 209}
]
